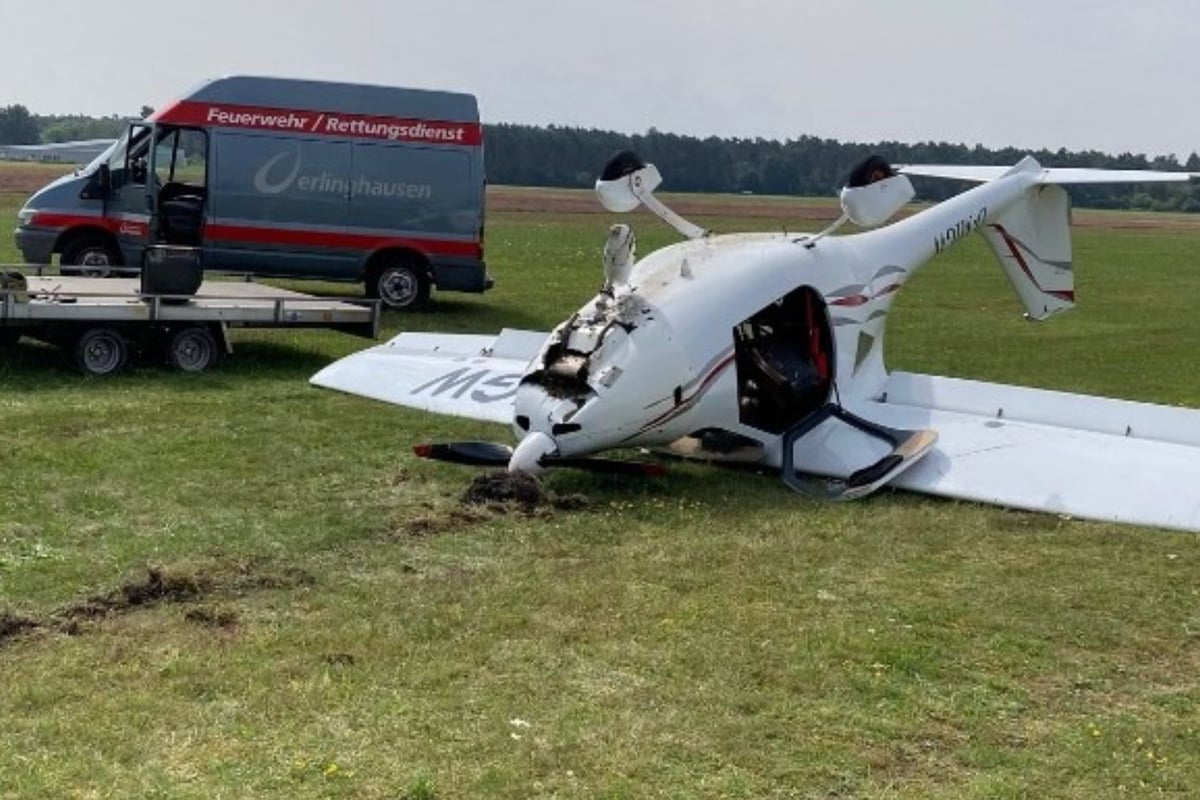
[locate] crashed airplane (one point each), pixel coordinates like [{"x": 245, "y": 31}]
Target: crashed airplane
[{"x": 767, "y": 348}]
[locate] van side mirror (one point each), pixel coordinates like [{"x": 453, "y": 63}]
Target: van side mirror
[{"x": 99, "y": 185}]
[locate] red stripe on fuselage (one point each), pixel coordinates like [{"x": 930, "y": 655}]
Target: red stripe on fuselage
[
  {"x": 850, "y": 301},
  {"x": 687, "y": 403},
  {"x": 321, "y": 123}
]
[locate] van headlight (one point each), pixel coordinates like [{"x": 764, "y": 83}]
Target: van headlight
[{"x": 25, "y": 216}]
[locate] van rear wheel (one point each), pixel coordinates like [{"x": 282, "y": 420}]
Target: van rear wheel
[{"x": 402, "y": 284}]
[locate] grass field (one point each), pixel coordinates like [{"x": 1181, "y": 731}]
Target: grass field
[{"x": 233, "y": 585}]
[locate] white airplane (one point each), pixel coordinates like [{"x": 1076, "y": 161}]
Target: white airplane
[{"x": 768, "y": 348}]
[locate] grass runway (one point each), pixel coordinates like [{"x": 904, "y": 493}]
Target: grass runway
[{"x": 235, "y": 585}]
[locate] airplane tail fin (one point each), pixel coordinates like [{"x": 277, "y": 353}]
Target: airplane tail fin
[
  {"x": 1032, "y": 242},
  {"x": 1031, "y": 239}
]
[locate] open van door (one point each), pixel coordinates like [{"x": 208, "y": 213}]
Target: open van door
[
  {"x": 113, "y": 243},
  {"x": 177, "y": 195}
]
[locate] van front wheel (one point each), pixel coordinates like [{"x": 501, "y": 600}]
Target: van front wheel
[
  {"x": 401, "y": 284},
  {"x": 91, "y": 255}
]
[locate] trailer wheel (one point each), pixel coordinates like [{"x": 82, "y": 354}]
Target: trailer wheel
[
  {"x": 192, "y": 349},
  {"x": 93, "y": 255},
  {"x": 402, "y": 283},
  {"x": 101, "y": 351}
]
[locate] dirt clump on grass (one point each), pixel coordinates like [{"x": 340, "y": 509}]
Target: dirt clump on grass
[
  {"x": 209, "y": 617},
  {"x": 13, "y": 625},
  {"x": 491, "y": 495},
  {"x": 507, "y": 490},
  {"x": 436, "y": 522},
  {"x": 161, "y": 585},
  {"x": 157, "y": 586}
]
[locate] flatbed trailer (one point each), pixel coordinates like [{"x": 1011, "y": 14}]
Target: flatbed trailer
[{"x": 103, "y": 322}]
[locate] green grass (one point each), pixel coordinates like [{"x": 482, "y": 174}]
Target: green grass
[{"x": 710, "y": 634}]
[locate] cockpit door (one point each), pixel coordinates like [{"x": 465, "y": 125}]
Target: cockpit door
[{"x": 785, "y": 361}]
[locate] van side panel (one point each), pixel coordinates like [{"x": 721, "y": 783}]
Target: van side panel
[
  {"x": 412, "y": 190},
  {"x": 270, "y": 194}
]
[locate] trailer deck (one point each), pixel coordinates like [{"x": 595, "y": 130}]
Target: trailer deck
[
  {"x": 90, "y": 315},
  {"x": 234, "y": 303}
]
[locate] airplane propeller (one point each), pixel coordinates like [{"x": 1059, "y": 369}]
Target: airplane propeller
[{"x": 494, "y": 454}]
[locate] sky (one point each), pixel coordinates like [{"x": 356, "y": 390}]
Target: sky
[{"x": 1111, "y": 75}]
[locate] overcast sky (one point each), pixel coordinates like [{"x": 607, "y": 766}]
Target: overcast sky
[{"x": 1114, "y": 75}]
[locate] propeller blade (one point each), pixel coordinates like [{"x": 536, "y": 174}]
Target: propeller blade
[
  {"x": 493, "y": 454},
  {"x": 476, "y": 454}
]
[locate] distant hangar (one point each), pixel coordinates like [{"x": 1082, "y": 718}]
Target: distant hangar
[{"x": 78, "y": 152}]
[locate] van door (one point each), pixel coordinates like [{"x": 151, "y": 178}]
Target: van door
[
  {"x": 279, "y": 206},
  {"x": 180, "y": 186},
  {"x": 127, "y": 204}
]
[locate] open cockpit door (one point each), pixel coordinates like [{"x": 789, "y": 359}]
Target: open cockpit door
[
  {"x": 785, "y": 377},
  {"x": 784, "y": 357}
]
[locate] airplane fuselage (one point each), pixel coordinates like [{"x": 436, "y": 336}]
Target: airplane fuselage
[{"x": 659, "y": 358}]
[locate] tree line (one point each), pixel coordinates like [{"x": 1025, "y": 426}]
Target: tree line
[
  {"x": 19, "y": 126},
  {"x": 554, "y": 155},
  {"x": 528, "y": 155}
]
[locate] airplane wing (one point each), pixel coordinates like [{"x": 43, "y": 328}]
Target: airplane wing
[
  {"x": 1051, "y": 175},
  {"x": 460, "y": 374},
  {"x": 1082, "y": 456}
]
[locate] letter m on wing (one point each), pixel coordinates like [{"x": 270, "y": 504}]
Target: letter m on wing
[{"x": 456, "y": 382}]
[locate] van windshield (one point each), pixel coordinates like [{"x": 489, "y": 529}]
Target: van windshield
[
  {"x": 114, "y": 154},
  {"x": 117, "y": 146}
]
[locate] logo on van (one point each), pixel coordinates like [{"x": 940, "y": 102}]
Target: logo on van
[
  {"x": 262, "y": 178},
  {"x": 326, "y": 182}
]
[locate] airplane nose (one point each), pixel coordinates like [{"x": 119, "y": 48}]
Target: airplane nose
[{"x": 527, "y": 457}]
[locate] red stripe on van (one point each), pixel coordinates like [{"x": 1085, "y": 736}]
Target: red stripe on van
[
  {"x": 352, "y": 241},
  {"x": 50, "y": 219},
  {"x": 122, "y": 225},
  {"x": 276, "y": 236},
  {"x": 320, "y": 123}
]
